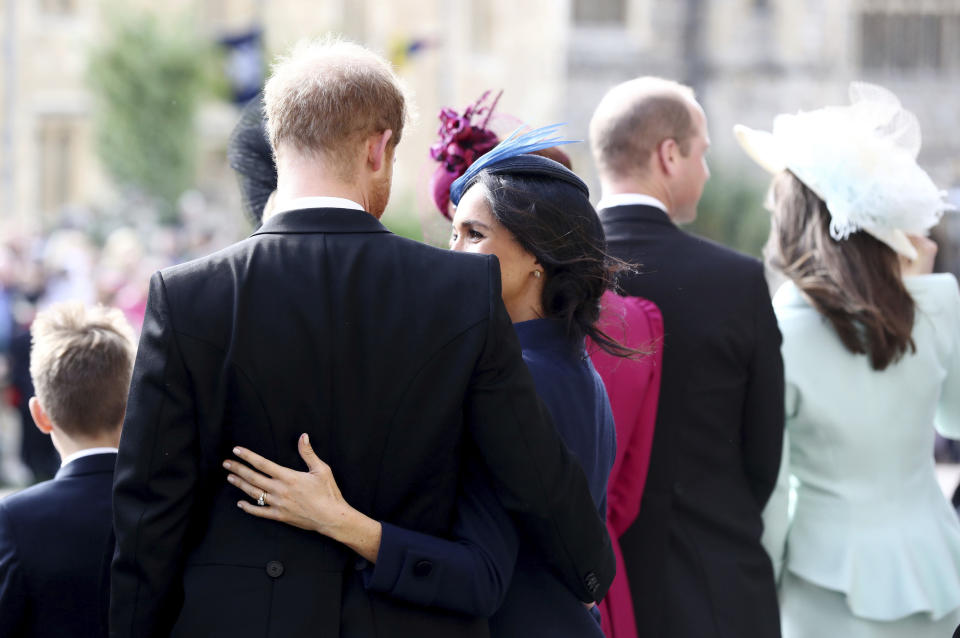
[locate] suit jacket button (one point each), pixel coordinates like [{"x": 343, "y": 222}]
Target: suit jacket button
[
  {"x": 422, "y": 569},
  {"x": 274, "y": 569}
]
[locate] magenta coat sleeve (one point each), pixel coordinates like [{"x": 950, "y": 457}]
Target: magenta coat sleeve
[{"x": 633, "y": 386}]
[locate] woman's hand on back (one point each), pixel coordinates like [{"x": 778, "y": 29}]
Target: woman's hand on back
[{"x": 309, "y": 500}]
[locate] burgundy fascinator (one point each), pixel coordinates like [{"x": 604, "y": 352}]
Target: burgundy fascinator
[{"x": 463, "y": 138}]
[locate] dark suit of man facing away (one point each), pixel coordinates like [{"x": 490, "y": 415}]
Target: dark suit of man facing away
[
  {"x": 693, "y": 556},
  {"x": 398, "y": 359},
  {"x": 56, "y": 542},
  {"x": 56, "y": 538}
]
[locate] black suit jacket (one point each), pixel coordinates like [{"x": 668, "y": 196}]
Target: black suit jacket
[
  {"x": 56, "y": 541},
  {"x": 398, "y": 359},
  {"x": 693, "y": 556}
]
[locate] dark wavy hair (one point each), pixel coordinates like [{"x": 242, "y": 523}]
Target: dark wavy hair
[
  {"x": 855, "y": 283},
  {"x": 554, "y": 221}
]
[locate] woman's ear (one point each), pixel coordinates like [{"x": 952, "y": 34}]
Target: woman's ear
[{"x": 538, "y": 270}]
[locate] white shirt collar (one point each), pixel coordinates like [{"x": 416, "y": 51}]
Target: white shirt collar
[
  {"x": 317, "y": 202},
  {"x": 630, "y": 199},
  {"x": 90, "y": 451}
]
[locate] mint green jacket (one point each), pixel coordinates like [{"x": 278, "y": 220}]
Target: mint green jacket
[{"x": 857, "y": 508}]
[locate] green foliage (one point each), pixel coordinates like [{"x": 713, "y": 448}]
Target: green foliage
[
  {"x": 148, "y": 77},
  {"x": 404, "y": 224},
  {"x": 731, "y": 213},
  {"x": 401, "y": 217}
]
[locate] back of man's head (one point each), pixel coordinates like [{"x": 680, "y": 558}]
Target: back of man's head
[
  {"x": 633, "y": 118},
  {"x": 81, "y": 360},
  {"x": 325, "y": 97}
]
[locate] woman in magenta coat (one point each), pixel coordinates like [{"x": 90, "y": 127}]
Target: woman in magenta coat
[{"x": 633, "y": 386}]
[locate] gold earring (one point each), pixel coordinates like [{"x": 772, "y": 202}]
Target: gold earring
[{"x": 537, "y": 274}]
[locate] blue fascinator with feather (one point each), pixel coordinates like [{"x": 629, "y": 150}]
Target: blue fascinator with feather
[{"x": 513, "y": 156}]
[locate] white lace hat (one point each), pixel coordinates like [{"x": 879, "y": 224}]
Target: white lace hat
[{"x": 861, "y": 160}]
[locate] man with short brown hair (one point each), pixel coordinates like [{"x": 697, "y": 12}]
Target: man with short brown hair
[
  {"x": 397, "y": 359},
  {"x": 323, "y": 101},
  {"x": 693, "y": 556},
  {"x": 649, "y": 136},
  {"x": 56, "y": 538}
]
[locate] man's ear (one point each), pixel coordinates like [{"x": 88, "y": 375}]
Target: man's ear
[
  {"x": 667, "y": 152},
  {"x": 40, "y": 418},
  {"x": 377, "y": 149}
]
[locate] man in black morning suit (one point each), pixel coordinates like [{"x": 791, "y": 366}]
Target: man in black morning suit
[
  {"x": 693, "y": 556},
  {"x": 398, "y": 360},
  {"x": 56, "y": 538}
]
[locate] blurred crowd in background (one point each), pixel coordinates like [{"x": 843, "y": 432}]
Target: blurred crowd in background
[
  {"x": 41, "y": 267},
  {"x": 113, "y": 142}
]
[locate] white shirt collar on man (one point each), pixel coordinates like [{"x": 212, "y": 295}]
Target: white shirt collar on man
[
  {"x": 630, "y": 199},
  {"x": 316, "y": 202},
  {"x": 90, "y": 451}
]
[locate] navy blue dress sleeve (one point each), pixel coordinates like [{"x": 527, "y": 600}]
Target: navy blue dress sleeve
[{"x": 470, "y": 574}]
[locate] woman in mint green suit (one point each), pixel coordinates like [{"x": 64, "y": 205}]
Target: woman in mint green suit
[{"x": 864, "y": 541}]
